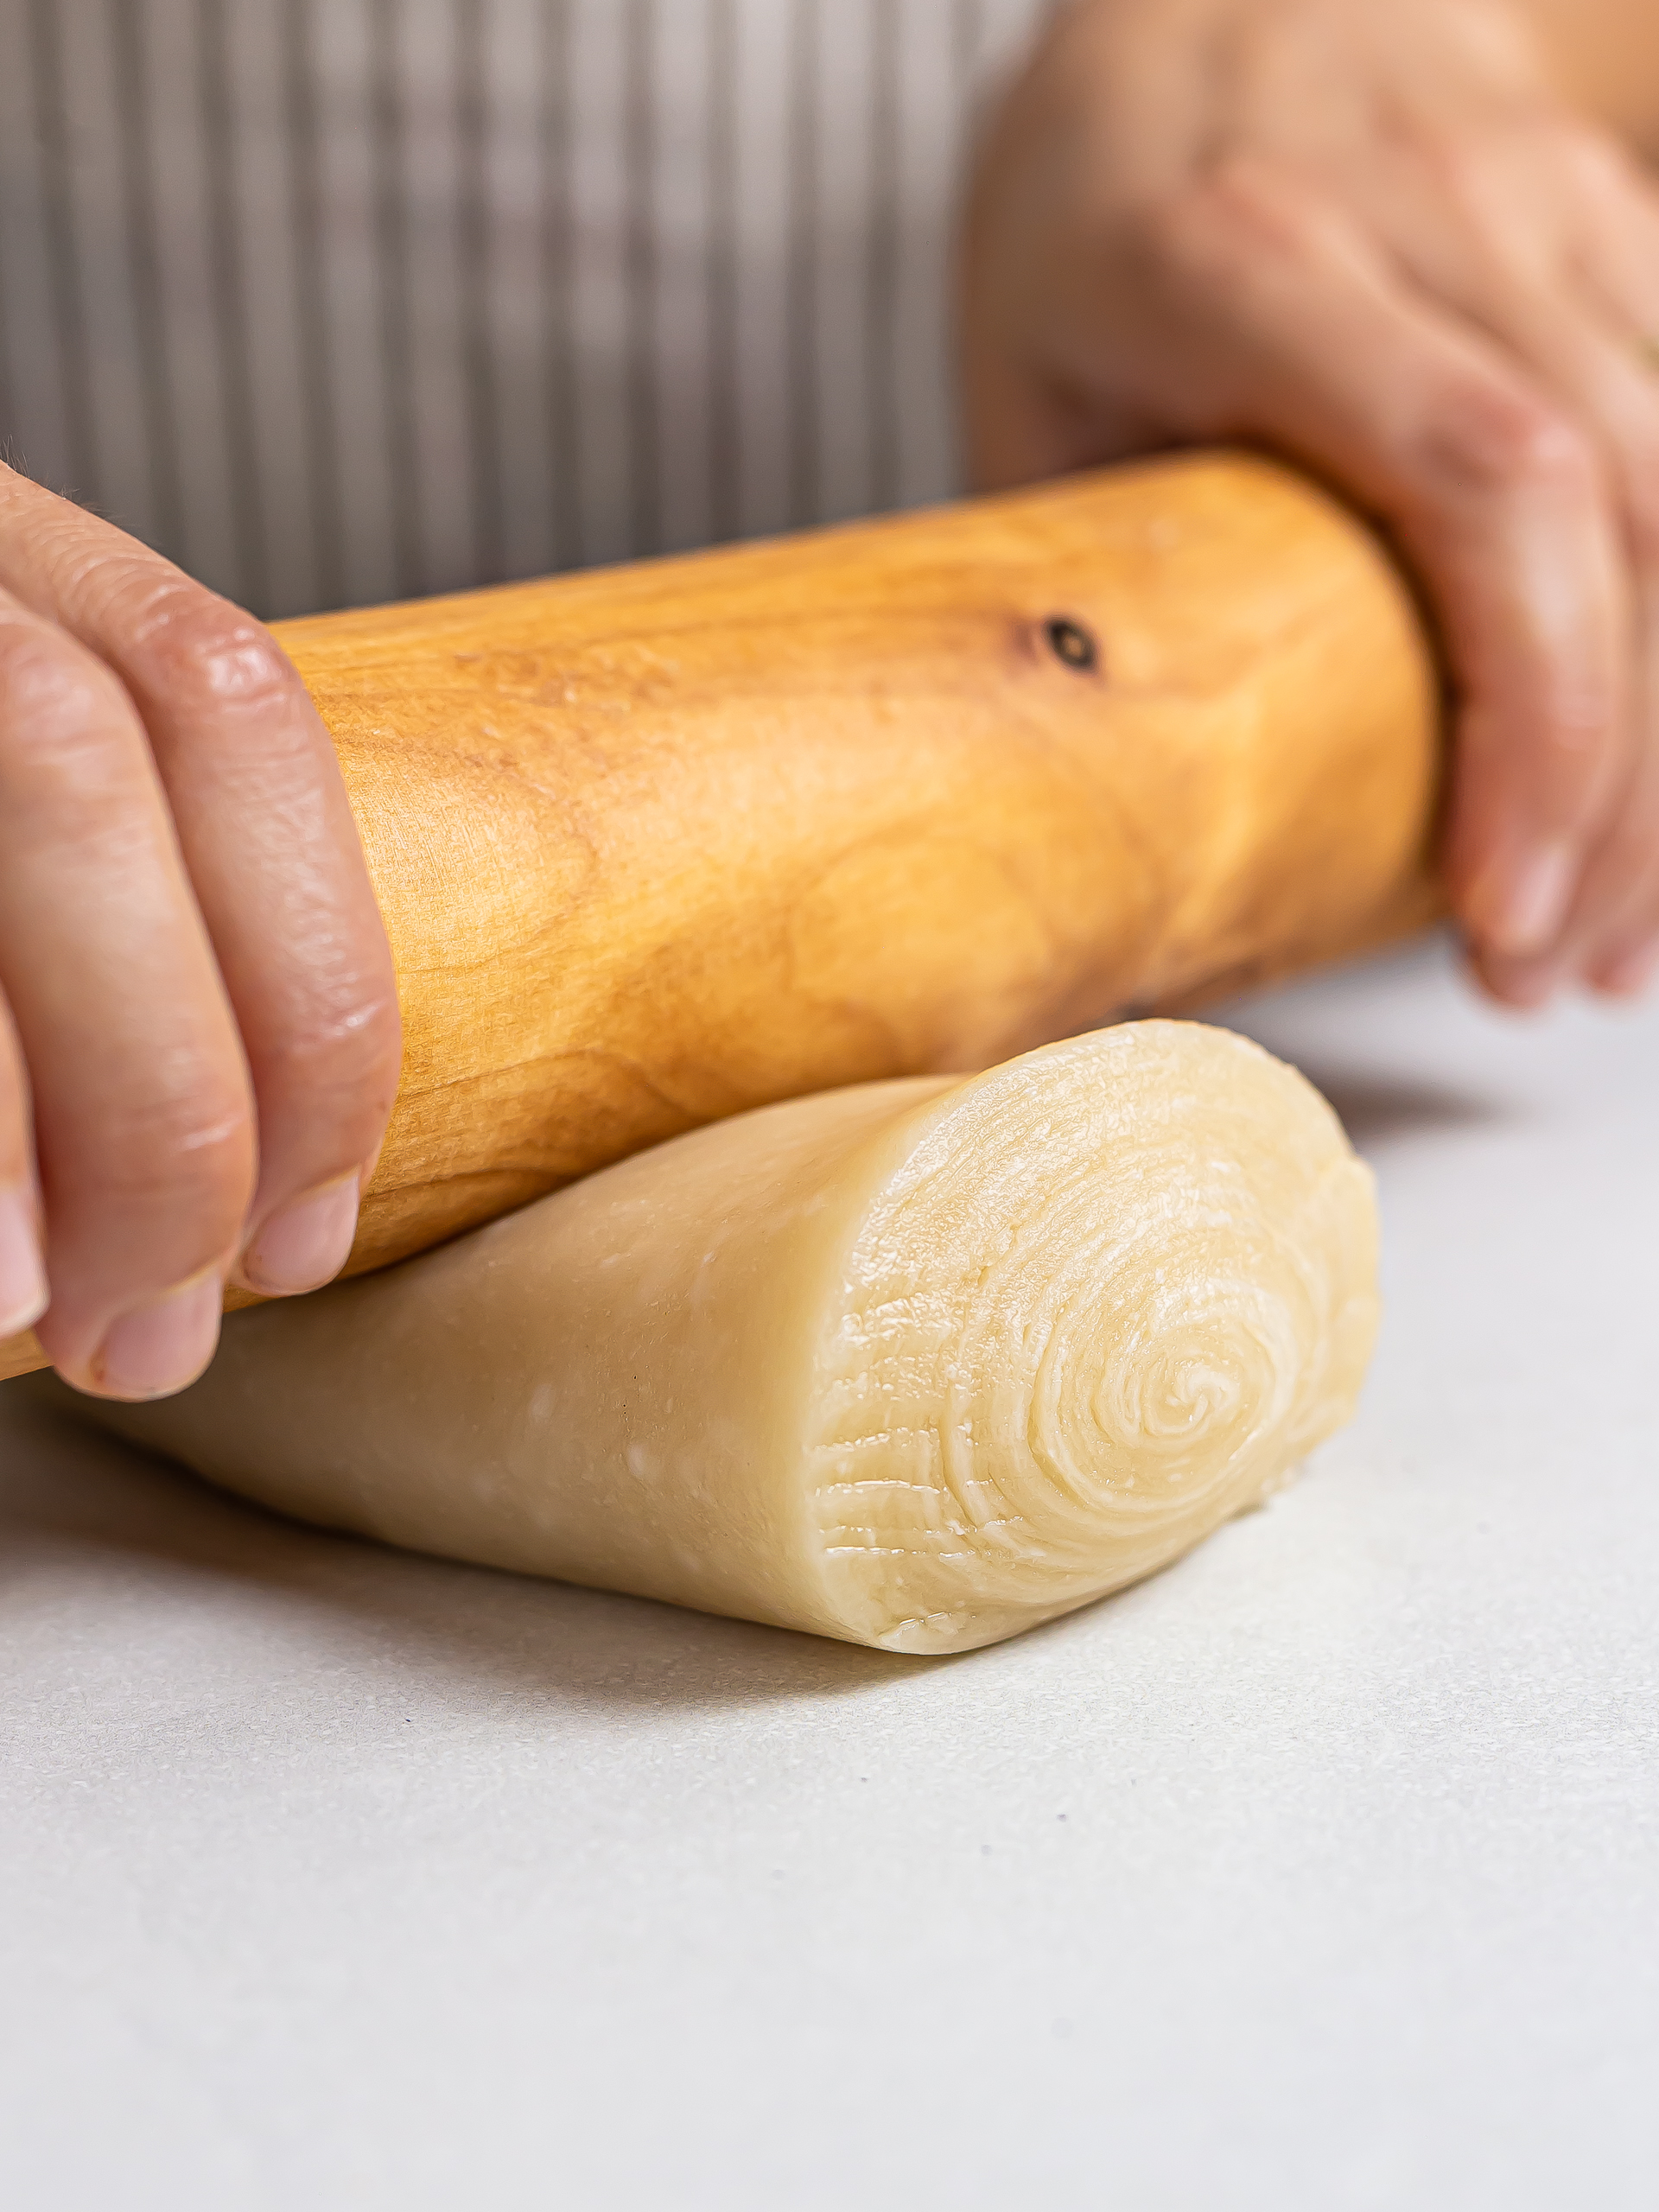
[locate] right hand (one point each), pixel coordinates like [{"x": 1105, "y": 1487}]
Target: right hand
[
  {"x": 199, "y": 1029},
  {"x": 1375, "y": 235}
]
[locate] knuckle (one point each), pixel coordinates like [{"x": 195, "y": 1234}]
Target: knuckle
[
  {"x": 181, "y": 1156},
  {"x": 70, "y": 748},
  {"x": 50, "y": 692},
  {"x": 73, "y": 761},
  {"x": 1493, "y": 438},
  {"x": 1460, "y": 162},
  {"x": 1475, "y": 169},
  {"x": 207, "y": 656},
  {"x": 344, "y": 1057},
  {"x": 1238, "y": 204}
]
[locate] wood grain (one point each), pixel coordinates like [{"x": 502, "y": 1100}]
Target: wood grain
[{"x": 660, "y": 842}]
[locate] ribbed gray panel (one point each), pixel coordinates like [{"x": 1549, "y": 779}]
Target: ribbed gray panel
[{"x": 336, "y": 300}]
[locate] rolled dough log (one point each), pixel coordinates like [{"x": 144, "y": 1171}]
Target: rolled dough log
[{"x": 915, "y": 1363}]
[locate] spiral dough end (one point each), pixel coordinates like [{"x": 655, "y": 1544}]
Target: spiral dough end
[{"x": 1113, "y": 1293}]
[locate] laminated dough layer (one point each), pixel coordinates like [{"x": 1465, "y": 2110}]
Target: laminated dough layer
[{"x": 918, "y": 1364}]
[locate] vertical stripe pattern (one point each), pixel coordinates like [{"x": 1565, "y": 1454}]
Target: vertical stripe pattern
[{"x": 335, "y": 300}]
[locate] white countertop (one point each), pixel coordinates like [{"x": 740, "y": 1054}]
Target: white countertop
[{"x": 1321, "y": 1871}]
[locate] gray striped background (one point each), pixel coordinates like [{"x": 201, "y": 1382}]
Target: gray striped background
[{"x": 339, "y": 300}]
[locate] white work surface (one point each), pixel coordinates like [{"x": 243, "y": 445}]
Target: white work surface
[{"x": 1321, "y": 1871}]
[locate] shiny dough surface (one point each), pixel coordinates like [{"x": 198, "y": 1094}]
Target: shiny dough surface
[{"x": 917, "y": 1363}]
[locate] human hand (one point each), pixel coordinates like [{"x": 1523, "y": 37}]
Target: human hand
[
  {"x": 199, "y": 1032},
  {"x": 1378, "y": 239}
]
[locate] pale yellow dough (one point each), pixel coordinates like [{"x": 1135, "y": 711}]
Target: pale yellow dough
[{"x": 918, "y": 1364}]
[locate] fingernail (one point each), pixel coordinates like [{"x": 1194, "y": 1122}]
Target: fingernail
[
  {"x": 162, "y": 1346},
  {"x": 305, "y": 1243},
  {"x": 1530, "y": 901},
  {"x": 1628, "y": 976},
  {"x": 22, "y": 1278}
]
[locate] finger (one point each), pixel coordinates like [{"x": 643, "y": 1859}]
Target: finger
[
  {"x": 1549, "y": 238},
  {"x": 1611, "y": 940},
  {"x": 22, "y": 1270},
  {"x": 1296, "y": 329},
  {"x": 1614, "y": 916},
  {"x": 1613, "y": 935},
  {"x": 1593, "y": 365},
  {"x": 1617, "y": 263},
  {"x": 143, "y": 1132},
  {"x": 272, "y": 853}
]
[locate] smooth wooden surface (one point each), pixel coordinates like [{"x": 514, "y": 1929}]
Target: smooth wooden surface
[{"x": 660, "y": 842}]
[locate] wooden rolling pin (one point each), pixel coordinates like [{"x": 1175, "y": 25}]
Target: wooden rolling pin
[{"x": 656, "y": 843}]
